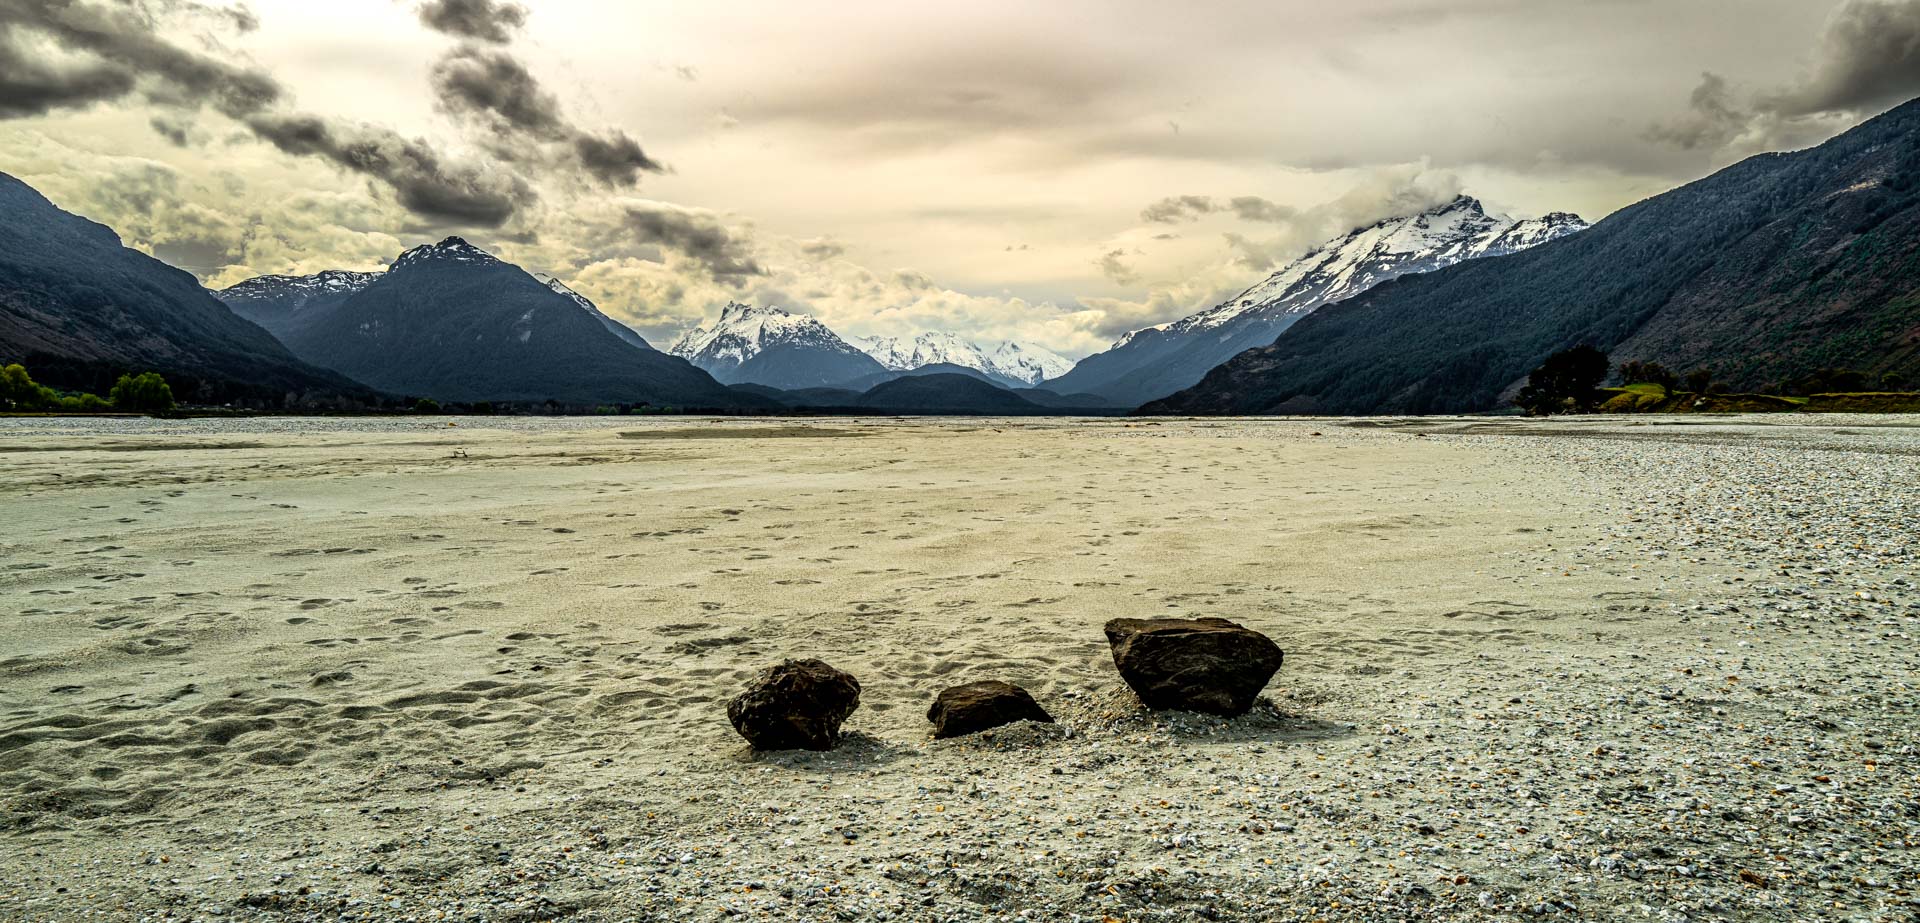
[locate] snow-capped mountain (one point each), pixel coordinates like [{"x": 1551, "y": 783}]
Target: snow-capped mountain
[
  {"x": 1156, "y": 361},
  {"x": 618, "y": 329},
  {"x": 286, "y": 304},
  {"x": 774, "y": 347},
  {"x": 1021, "y": 363}
]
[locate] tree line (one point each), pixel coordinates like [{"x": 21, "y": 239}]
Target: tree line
[
  {"x": 1570, "y": 381},
  {"x": 146, "y": 392}
]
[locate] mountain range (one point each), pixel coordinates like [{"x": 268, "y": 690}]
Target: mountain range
[
  {"x": 79, "y": 309},
  {"x": 453, "y": 322},
  {"x": 773, "y": 346},
  {"x": 1765, "y": 271},
  {"x": 1020, "y": 365},
  {"x": 1157, "y": 361}
]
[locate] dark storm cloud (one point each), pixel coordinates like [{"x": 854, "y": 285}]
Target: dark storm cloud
[
  {"x": 494, "y": 86},
  {"x": 1175, "y": 209},
  {"x": 29, "y": 87},
  {"x": 480, "y": 20},
  {"x": 1869, "y": 58},
  {"x": 614, "y": 159},
  {"x": 494, "y": 89},
  {"x": 698, "y": 236},
  {"x": 120, "y": 51},
  {"x": 421, "y": 180},
  {"x": 67, "y": 53}
]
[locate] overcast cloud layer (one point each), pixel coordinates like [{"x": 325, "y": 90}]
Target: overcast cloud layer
[{"x": 1059, "y": 172}]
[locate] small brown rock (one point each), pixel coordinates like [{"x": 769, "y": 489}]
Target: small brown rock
[{"x": 976, "y": 707}]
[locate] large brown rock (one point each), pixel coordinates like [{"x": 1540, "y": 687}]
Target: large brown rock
[
  {"x": 1206, "y": 665},
  {"x": 795, "y": 705},
  {"x": 980, "y": 706}
]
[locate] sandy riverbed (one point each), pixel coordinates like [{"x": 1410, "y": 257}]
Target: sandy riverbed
[{"x": 1618, "y": 669}]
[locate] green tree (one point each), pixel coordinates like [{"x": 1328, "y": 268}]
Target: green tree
[
  {"x": 1568, "y": 382},
  {"x": 426, "y": 405},
  {"x": 146, "y": 392},
  {"x": 1700, "y": 381},
  {"x": 19, "y": 392}
]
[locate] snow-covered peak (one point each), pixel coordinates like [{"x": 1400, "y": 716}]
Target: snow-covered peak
[
  {"x": 298, "y": 289},
  {"x": 1365, "y": 257},
  {"x": 1022, "y": 362},
  {"x": 1028, "y": 362},
  {"x": 744, "y": 331},
  {"x": 453, "y": 249}
]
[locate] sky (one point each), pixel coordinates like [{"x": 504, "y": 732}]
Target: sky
[{"x": 1057, "y": 173}]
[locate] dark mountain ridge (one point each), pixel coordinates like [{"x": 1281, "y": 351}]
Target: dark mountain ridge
[
  {"x": 79, "y": 309},
  {"x": 455, "y": 323}
]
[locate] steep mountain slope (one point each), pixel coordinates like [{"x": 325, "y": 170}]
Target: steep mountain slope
[
  {"x": 79, "y": 309},
  {"x": 1158, "y": 361},
  {"x": 618, "y": 329},
  {"x": 1770, "y": 268},
  {"x": 1017, "y": 364},
  {"x": 772, "y": 346},
  {"x": 453, "y": 322}
]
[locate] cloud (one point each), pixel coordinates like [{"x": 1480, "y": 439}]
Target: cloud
[
  {"x": 614, "y": 159},
  {"x": 697, "y": 235},
  {"x": 822, "y": 248},
  {"x": 421, "y": 180},
  {"x": 1711, "y": 120},
  {"x": 57, "y": 55},
  {"x": 1867, "y": 58},
  {"x": 491, "y": 88},
  {"x": 1254, "y": 208},
  {"x": 1113, "y": 265},
  {"x": 1175, "y": 209},
  {"x": 1187, "y": 208},
  {"x": 479, "y": 20},
  {"x": 66, "y": 54}
]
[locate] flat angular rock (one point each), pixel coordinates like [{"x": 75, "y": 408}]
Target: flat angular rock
[
  {"x": 795, "y": 705},
  {"x": 1205, "y": 665},
  {"x": 980, "y": 706}
]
